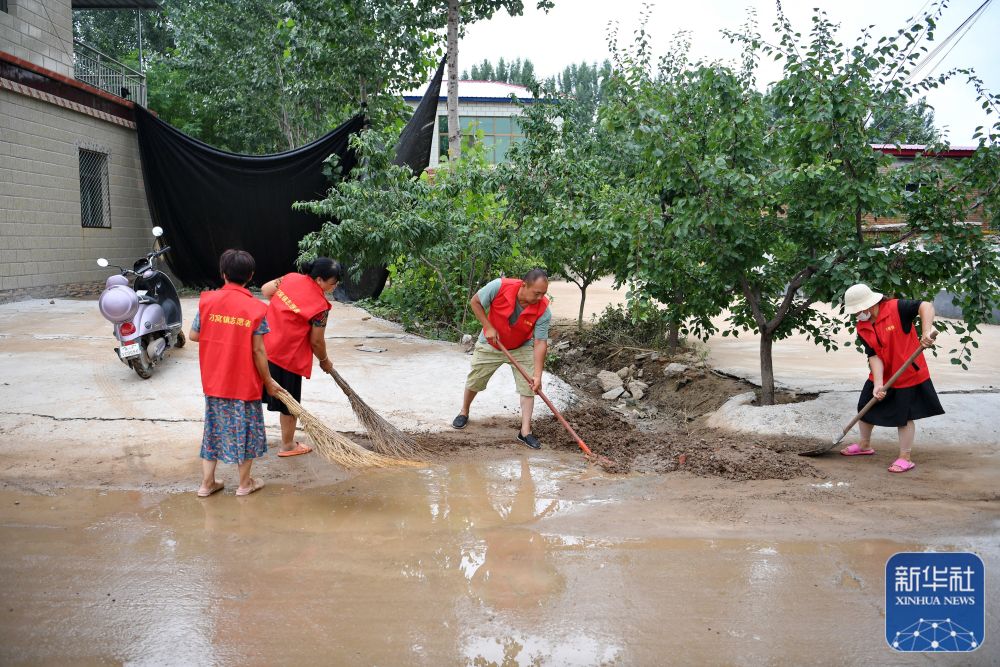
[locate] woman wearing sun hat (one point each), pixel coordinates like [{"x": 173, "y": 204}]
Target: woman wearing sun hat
[{"x": 886, "y": 331}]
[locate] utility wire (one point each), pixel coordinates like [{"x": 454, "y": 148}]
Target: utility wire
[{"x": 966, "y": 25}]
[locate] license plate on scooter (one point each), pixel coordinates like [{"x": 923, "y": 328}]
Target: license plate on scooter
[{"x": 129, "y": 351}]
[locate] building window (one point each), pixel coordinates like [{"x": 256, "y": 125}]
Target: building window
[
  {"x": 95, "y": 204},
  {"x": 3, "y": 6},
  {"x": 499, "y": 134}
]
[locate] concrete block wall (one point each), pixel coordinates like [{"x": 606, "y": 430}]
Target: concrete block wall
[
  {"x": 42, "y": 241},
  {"x": 39, "y": 31}
]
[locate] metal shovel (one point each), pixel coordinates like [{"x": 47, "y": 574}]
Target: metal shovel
[{"x": 895, "y": 376}]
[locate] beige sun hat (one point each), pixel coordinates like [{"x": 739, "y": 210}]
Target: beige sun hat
[{"x": 860, "y": 297}]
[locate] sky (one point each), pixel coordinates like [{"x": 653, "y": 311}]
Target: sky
[{"x": 576, "y": 31}]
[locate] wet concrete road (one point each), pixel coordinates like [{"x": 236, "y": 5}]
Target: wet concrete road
[{"x": 497, "y": 561}]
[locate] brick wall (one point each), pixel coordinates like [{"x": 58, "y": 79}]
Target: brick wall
[
  {"x": 42, "y": 241},
  {"x": 39, "y": 31},
  {"x": 888, "y": 226}
]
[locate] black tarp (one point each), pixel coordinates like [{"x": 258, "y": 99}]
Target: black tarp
[
  {"x": 413, "y": 149},
  {"x": 416, "y": 139},
  {"x": 208, "y": 200}
]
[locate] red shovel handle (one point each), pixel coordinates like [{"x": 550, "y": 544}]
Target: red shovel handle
[{"x": 541, "y": 394}]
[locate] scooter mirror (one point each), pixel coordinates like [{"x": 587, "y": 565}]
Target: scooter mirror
[
  {"x": 157, "y": 232},
  {"x": 102, "y": 262}
]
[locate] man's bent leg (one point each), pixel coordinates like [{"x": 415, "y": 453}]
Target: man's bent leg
[
  {"x": 467, "y": 399},
  {"x": 527, "y": 407}
]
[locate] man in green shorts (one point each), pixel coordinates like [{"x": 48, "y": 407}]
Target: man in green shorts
[{"x": 518, "y": 317}]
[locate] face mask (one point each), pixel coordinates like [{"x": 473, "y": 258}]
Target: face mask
[{"x": 864, "y": 317}]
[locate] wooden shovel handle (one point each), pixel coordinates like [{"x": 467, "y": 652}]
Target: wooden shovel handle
[
  {"x": 886, "y": 386},
  {"x": 541, "y": 394}
]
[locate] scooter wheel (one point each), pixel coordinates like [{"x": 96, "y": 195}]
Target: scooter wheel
[
  {"x": 180, "y": 340},
  {"x": 144, "y": 373}
]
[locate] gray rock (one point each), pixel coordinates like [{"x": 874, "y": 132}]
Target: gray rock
[
  {"x": 561, "y": 345},
  {"x": 670, "y": 370},
  {"x": 637, "y": 389},
  {"x": 612, "y": 394},
  {"x": 624, "y": 372},
  {"x": 609, "y": 380},
  {"x": 655, "y": 356},
  {"x": 467, "y": 339}
]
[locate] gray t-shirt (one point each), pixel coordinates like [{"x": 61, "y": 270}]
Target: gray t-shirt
[{"x": 490, "y": 291}]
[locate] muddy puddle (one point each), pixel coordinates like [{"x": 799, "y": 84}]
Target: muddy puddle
[{"x": 484, "y": 563}]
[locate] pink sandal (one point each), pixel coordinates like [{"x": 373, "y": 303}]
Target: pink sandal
[
  {"x": 855, "y": 450},
  {"x": 902, "y": 465}
]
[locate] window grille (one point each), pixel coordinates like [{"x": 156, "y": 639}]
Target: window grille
[{"x": 95, "y": 205}]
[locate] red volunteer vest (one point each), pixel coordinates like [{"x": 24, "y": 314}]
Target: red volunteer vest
[
  {"x": 228, "y": 317},
  {"x": 502, "y": 308},
  {"x": 885, "y": 336},
  {"x": 298, "y": 301}
]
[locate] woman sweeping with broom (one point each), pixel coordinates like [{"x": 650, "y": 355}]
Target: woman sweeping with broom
[
  {"x": 230, "y": 329},
  {"x": 297, "y": 315}
]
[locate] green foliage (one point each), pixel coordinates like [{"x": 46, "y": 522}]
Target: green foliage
[
  {"x": 442, "y": 237},
  {"x": 257, "y": 78},
  {"x": 765, "y": 196},
  {"x": 904, "y": 124},
  {"x": 520, "y": 72},
  {"x": 583, "y": 83},
  {"x": 568, "y": 184},
  {"x": 116, "y": 32},
  {"x": 633, "y": 325},
  {"x": 265, "y": 77}
]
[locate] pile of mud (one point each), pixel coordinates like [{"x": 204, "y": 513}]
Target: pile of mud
[{"x": 703, "y": 452}]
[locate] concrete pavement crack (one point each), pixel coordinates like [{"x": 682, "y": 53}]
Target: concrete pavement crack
[{"x": 103, "y": 419}]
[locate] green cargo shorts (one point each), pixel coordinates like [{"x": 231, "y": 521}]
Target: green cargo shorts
[{"x": 486, "y": 360}]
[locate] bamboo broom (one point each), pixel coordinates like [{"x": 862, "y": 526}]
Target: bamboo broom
[
  {"x": 334, "y": 446},
  {"x": 386, "y": 438}
]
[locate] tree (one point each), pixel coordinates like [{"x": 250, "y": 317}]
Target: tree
[
  {"x": 459, "y": 13},
  {"x": 585, "y": 83},
  {"x": 520, "y": 72},
  {"x": 568, "y": 184},
  {"x": 441, "y": 238},
  {"x": 904, "y": 124},
  {"x": 116, "y": 32},
  {"x": 260, "y": 78},
  {"x": 775, "y": 205}
]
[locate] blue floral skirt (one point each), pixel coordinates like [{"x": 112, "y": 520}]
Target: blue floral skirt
[{"x": 234, "y": 430}]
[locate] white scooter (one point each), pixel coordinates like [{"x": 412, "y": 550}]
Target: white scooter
[{"x": 146, "y": 315}]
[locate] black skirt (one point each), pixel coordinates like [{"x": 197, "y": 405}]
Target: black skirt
[
  {"x": 900, "y": 405},
  {"x": 289, "y": 381}
]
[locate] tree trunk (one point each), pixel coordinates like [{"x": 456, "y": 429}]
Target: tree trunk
[
  {"x": 673, "y": 335},
  {"x": 674, "y": 328},
  {"x": 766, "y": 369},
  {"x": 583, "y": 300},
  {"x": 454, "y": 130}
]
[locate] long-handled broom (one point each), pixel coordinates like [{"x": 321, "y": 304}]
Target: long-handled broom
[
  {"x": 334, "y": 446},
  {"x": 386, "y": 438}
]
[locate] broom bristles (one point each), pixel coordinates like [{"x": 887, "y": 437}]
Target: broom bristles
[
  {"x": 386, "y": 438},
  {"x": 334, "y": 446}
]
